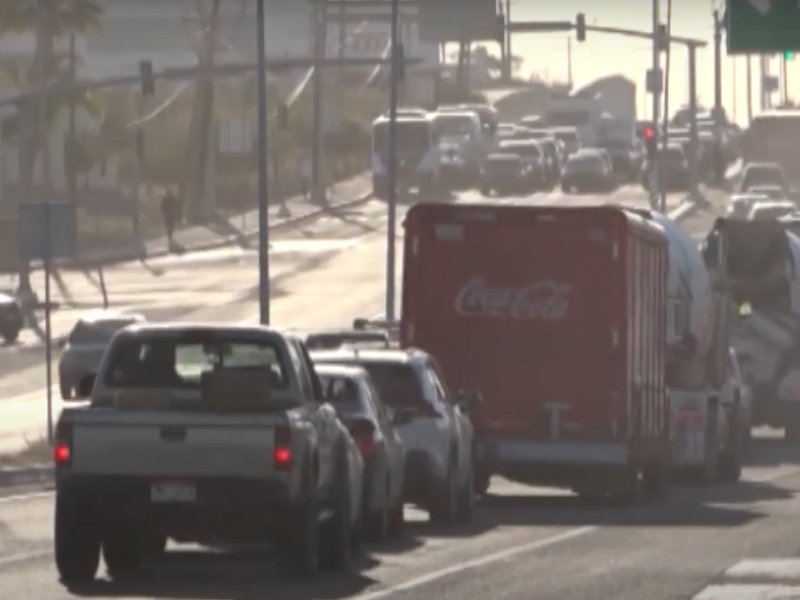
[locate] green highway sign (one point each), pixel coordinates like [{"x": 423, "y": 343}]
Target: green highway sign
[{"x": 762, "y": 26}]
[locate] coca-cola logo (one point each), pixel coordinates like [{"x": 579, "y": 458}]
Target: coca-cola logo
[{"x": 546, "y": 300}]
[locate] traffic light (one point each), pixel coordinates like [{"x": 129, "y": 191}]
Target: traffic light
[
  {"x": 651, "y": 141},
  {"x": 500, "y": 29},
  {"x": 580, "y": 27},
  {"x": 146, "y": 73},
  {"x": 662, "y": 42},
  {"x": 788, "y": 56}
]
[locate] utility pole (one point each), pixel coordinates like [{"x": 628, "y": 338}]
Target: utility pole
[
  {"x": 719, "y": 167},
  {"x": 263, "y": 183},
  {"x": 320, "y": 51},
  {"x": 734, "y": 87},
  {"x": 72, "y": 184},
  {"x": 656, "y": 60},
  {"x": 784, "y": 80},
  {"x": 391, "y": 175},
  {"x": 749, "y": 86},
  {"x": 569, "y": 61},
  {"x": 655, "y": 164},
  {"x": 508, "y": 53}
]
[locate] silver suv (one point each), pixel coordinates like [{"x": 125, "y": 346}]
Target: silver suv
[{"x": 86, "y": 345}]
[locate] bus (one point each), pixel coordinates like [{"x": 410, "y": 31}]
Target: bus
[{"x": 774, "y": 137}]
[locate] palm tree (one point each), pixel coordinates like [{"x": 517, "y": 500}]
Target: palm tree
[{"x": 49, "y": 20}]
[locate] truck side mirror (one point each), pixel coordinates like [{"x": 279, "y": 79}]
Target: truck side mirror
[
  {"x": 468, "y": 400},
  {"x": 84, "y": 388}
]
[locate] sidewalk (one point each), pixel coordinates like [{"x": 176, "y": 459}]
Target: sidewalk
[{"x": 237, "y": 229}]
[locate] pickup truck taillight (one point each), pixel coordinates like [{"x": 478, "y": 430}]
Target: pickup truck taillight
[
  {"x": 282, "y": 449},
  {"x": 363, "y": 433},
  {"x": 62, "y": 449}
]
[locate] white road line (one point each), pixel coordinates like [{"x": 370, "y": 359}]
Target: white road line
[
  {"x": 768, "y": 579},
  {"x": 478, "y": 562}
]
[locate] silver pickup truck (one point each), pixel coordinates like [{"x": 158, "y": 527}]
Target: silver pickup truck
[{"x": 203, "y": 434}]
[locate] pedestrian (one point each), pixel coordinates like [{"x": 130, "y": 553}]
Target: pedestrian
[{"x": 169, "y": 212}]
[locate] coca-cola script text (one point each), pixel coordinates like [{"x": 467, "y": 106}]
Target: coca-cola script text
[{"x": 546, "y": 300}]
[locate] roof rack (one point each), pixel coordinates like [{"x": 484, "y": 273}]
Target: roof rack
[
  {"x": 331, "y": 340},
  {"x": 391, "y": 328}
]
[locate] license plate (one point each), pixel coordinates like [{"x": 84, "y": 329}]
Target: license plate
[{"x": 173, "y": 492}]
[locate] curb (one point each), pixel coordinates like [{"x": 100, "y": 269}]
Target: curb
[
  {"x": 221, "y": 242},
  {"x": 18, "y": 476},
  {"x": 129, "y": 253}
]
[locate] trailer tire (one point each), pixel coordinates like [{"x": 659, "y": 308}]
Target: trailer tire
[
  {"x": 655, "y": 479},
  {"x": 628, "y": 490},
  {"x": 710, "y": 471},
  {"x": 791, "y": 430},
  {"x": 730, "y": 467}
]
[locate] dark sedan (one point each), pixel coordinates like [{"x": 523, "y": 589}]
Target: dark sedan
[
  {"x": 11, "y": 318},
  {"x": 587, "y": 172}
]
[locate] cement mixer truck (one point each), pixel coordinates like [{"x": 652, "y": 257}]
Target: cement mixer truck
[
  {"x": 705, "y": 432},
  {"x": 763, "y": 270}
]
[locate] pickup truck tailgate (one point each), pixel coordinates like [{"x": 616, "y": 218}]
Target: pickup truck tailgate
[{"x": 181, "y": 444}]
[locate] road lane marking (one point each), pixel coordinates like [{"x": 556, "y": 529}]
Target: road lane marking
[{"x": 477, "y": 563}]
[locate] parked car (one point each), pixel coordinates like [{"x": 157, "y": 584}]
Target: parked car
[
  {"x": 86, "y": 344},
  {"x": 439, "y": 463},
  {"x": 372, "y": 425},
  {"x": 11, "y": 318}
]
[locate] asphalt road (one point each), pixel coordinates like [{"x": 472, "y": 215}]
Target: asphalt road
[{"x": 711, "y": 543}]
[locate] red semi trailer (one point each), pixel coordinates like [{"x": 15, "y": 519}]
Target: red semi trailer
[{"x": 557, "y": 316}]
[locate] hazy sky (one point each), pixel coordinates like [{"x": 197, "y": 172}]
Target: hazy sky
[{"x": 603, "y": 54}]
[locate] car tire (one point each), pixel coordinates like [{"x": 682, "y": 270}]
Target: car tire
[
  {"x": 444, "y": 507},
  {"x": 299, "y": 548},
  {"x": 11, "y": 335},
  {"x": 76, "y": 540},
  {"x": 376, "y": 524},
  {"x": 335, "y": 544},
  {"x": 397, "y": 518},
  {"x": 466, "y": 498},
  {"x": 123, "y": 548}
]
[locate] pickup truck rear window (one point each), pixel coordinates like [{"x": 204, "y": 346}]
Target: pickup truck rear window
[
  {"x": 170, "y": 363},
  {"x": 98, "y": 332}
]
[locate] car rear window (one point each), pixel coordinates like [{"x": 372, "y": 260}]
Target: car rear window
[
  {"x": 522, "y": 149},
  {"x": 96, "y": 332},
  {"x": 166, "y": 363},
  {"x": 397, "y": 384},
  {"x": 343, "y": 393}
]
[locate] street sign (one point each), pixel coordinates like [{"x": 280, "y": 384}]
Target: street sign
[
  {"x": 442, "y": 21},
  {"x": 36, "y": 240},
  {"x": 654, "y": 81},
  {"x": 762, "y": 26}
]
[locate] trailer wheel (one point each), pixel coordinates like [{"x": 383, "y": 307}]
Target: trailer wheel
[
  {"x": 628, "y": 490},
  {"x": 791, "y": 431},
  {"x": 730, "y": 466},
  {"x": 655, "y": 478}
]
